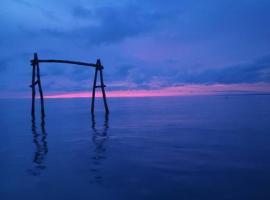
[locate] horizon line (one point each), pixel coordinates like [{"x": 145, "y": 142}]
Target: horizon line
[{"x": 183, "y": 90}]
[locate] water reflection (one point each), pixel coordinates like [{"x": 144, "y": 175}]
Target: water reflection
[
  {"x": 41, "y": 147},
  {"x": 99, "y": 139}
]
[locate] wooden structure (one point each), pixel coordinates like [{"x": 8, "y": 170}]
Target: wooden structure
[{"x": 36, "y": 81}]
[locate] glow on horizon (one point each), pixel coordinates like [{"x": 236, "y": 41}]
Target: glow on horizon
[{"x": 185, "y": 90}]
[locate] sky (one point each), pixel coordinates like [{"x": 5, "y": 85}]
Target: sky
[{"x": 148, "y": 48}]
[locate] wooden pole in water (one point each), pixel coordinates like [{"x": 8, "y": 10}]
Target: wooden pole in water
[
  {"x": 102, "y": 85},
  {"x": 94, "y": 90},
  {"x": 33, "y": 86},
  {"x": 39, "y": 86}
]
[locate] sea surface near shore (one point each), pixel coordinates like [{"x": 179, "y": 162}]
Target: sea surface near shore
[{"x": 199, "y": 147}]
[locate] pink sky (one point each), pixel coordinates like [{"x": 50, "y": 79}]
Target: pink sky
[{"x": 185, "y": 90}]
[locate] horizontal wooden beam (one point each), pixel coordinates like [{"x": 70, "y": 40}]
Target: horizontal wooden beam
[
  {"x": 100, "y": 86},
  {"x": 67, "y": 62}
]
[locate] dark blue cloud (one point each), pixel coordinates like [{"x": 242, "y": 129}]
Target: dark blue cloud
[
  {"x": 257, "y": 71},
  {"x": 254, "y": 72},
  {"x": 108, "y": 24}
]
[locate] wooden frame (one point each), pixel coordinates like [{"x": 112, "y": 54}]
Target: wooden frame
[{"x": 36, "y": 81}]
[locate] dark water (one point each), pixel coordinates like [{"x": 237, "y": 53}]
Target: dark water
[{"x": 148, "y": 148}]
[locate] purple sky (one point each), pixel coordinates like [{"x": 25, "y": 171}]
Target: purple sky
[{"x": 144, "y": 45}]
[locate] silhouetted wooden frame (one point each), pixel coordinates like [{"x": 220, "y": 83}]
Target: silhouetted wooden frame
[{"x": 36, "y": 81}]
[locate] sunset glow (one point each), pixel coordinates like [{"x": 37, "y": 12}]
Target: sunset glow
[{"x": 186, "y": 90}]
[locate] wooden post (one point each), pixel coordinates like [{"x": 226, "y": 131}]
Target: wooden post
[
  {"x": 33, "y": 86},
  {"x": 102, "y": 85},
  {"x": 39, "y": 86},
  {"x": 94, "y": 89}
]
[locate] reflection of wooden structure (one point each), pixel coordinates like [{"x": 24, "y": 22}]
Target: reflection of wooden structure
[
  {"x": 36, "y": 81},
  {"x": 41, "y": 150}
]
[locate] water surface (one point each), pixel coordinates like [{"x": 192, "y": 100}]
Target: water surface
[{"x": 213, "y": 147}]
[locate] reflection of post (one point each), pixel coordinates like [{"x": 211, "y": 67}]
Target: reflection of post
[
  {"x": 100, "y": 135},
  {"x": 99, "y": 138},
  {"x": 39, "y": 139}
]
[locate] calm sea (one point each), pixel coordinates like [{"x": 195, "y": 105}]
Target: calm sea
[{"x": 188, "y": 148}]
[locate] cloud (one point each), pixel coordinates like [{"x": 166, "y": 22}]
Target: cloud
[
  {"x": 257, "y": 71},
  {"x": 82, "y": 13},
  {"x": 107, "y": 24},
  {"x": 138, "y": 77}
]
